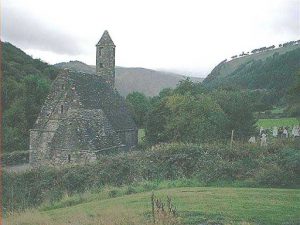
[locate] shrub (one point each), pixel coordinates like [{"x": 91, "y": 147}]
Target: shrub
[
  {"x": 275, "y": 166},
  {"x": 15, "y": 158},
  {"x": 271, "y": 176},
  {"x": 113, "y": 193},
  {"x": 130, "y": 190}
]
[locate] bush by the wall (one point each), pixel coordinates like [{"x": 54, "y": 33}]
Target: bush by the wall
[
  {"x": 274, "y": 166},
  {"x": 15, "y": 158}
]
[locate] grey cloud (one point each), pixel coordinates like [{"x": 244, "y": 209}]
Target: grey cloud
[
  {"x": 288, "y": 18},
  {"x": 22, "y": 29}
]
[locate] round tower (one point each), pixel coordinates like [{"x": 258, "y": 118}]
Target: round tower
[{"x": 105, "y": 58}]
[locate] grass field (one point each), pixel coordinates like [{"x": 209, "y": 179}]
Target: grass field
[
  {"x": 277, "y": 110},
  {"x": 195, "y": 205},
  {"x": 141, "y": 135},
  {"x": 269, "y": 123}
]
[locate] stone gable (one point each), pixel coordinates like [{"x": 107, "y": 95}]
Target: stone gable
[{"x": 82, "y": 117}]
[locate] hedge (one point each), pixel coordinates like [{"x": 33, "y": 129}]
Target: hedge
[{"x": 273, "y": 166}]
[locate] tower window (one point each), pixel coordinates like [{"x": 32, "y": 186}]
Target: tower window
[
  {"x": 62, "y": 109},
  {"x": 103, "y": 134},
  {"x": 101, "y": 65}
]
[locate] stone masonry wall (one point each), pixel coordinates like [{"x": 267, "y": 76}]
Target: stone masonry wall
[
  {"x": 55, "y": 108},
  {"x": 76, "y": 123},
  {"x": 105, "y": 62}
]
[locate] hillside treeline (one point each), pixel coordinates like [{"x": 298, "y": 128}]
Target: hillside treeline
[
  {"x": 26, "y": 82},
  {"x": 262, "y": 49},
  {"x": 273, "y": 77},
  {"x": 191, "y": 113}
]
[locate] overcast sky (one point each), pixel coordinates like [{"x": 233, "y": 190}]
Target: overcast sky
[{"x": 186, "y": 36}]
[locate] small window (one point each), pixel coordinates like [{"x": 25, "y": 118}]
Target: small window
[
  {"x": 100, "y": 50},
  {"x": 61, "y": 109},
  {"x": 69, "y": 158},
  {"x": 62, "y": 87},
  {"x": 103, "y": 134},
  {"x": 101, "y": 65}
]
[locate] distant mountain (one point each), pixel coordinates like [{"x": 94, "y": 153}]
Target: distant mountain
[
  {"x": 273, "y": 70},
  {"x": 77, "y": 66},
  {"x": 150, "y": 82}
]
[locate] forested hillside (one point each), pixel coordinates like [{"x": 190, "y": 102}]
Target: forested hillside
[
  {"x": 274, "y": 74},
  {"x": 26, "y": 82},
  {"x": 227, "y": 67}
]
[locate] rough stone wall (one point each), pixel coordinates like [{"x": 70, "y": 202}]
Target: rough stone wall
[
  {"x": 83, "y": 116},
  {"x": 62, "y": 96},
  {"x": 132, "y": 138},
  {"x": 67, "y": 156},
  {"x": 105, "y": 62},
  {"x": 129, "y": 138},
  {"x": 86, "y": 129},
  {"x": 33, "y": 146},
  {"x": 67, "y": 132}
]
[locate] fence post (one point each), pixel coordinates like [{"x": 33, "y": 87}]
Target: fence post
[
  {"x": 231, "y": 141},
  {"x": 152, "y": 204}
]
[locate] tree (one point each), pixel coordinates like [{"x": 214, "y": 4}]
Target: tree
[
  {"x": 156, "y": 123},
  {"x": 139, "y": 105},
  {"x": 36, "y": 89},
  {"x": 187, "y": 86},
  {"x": 21, "y": 114},
  {"x": 162, "y": 94},
  {"x": 238, "y": 108},
  {"x": 26, "y": 82},
  {"x": 186, "y": 118},
  {"x": 15, "y": 132},
  {"x": 294, "y": 98}
]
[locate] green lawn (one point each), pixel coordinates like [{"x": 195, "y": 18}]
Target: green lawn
[
  {"x": 195, "y": 205},
  {"x": 141, "y": 135},
  {"x": 277, "y": 110},
  {"x": 269, "y": 123}
]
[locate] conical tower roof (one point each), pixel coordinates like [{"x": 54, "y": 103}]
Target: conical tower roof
[{"x": 105, "y": 40}]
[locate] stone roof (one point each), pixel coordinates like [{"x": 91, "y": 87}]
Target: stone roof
[
  {"x": 106, "y": 40},
  {"x": 95, "y": 93}
]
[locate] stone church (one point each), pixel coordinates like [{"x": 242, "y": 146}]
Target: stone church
[{"x": 83, "y": 116}]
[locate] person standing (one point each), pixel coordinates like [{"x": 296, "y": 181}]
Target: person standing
[
  {"x": 261, "y": 130},
  {"x": 285, "y": 132},
  {"x": 252, "y": 140},
  {"x": 275, "y": 131},
  {"x": 280, "y": 131},
  {"x": 295, "y": 132},
  {"x": 263, "y": 141}
]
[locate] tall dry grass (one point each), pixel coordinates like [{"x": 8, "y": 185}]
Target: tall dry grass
[{"x": 111, "y": 216}]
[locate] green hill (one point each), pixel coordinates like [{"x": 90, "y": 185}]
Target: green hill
[
  {"x": 272, "y": 70},
  {"x": 26, "y": 82},
  {"x": 130, "y": 79},
  {"x": 77, "y": 66},
  {"x": 194, "y": 205}
]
